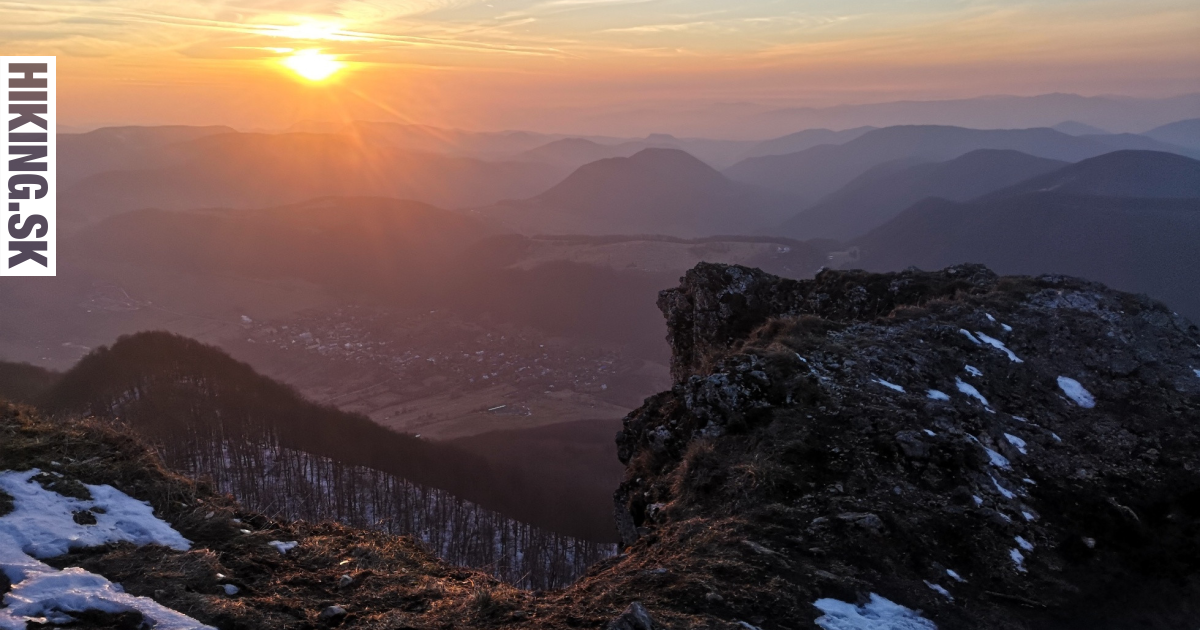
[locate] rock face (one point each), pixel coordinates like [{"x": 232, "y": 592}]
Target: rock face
[{"x": 991, "y": 452}]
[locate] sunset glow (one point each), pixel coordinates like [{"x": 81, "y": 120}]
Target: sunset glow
[
  {"x": 313, "y": 65},
  {"x": 559, "y": 64}
]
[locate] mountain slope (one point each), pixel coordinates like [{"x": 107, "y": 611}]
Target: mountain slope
[
  {"x": 1183, "y": 133},
  {"x": 822, "y": 170},
  {"x": 1120, "y": 174},
  {"x": 81, "y": 155},
  {"x": 656, "y": 191},
  {"x": 1142, "y": 245},
  {"x": 195, "y": 402},
  {"x": 881, "y": 193},
  {"x": 802, "y": 140}
]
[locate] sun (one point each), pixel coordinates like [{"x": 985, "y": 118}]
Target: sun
[{"x": 312, "y": 64}]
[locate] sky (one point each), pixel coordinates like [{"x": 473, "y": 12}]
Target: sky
[{"x": 552, "y": 64}]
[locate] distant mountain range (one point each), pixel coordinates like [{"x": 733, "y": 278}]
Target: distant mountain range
[
  {"x": 884, "y": 191},
  {"x": 655, "y": 191},
  {"x": 1130, "y": 219},
  {"x": 1150, "y": 174},
  {"x": 253, "y": 170},
  {"x": 821, "y": 170}
]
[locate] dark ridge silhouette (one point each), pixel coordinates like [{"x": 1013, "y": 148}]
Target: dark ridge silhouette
[
  {"x": 822, "y": 170},
  {"x": 194, "y": 400},
  {"x": 655, "y": 191},
  {"x": 884, "y": 191},
  {"x": 1184, "y": 133},
  {"x": 246, "y": 170},
  {"x": 25, "y": 383},
  {"x": 1120, "y": 174},
  {"x": 1139, "y": 245}
]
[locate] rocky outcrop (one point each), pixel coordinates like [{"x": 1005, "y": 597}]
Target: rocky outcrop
[{"x": 992, "y": 452}]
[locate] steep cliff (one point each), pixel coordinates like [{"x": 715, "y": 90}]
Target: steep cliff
[{"x": 993, "y": 452}]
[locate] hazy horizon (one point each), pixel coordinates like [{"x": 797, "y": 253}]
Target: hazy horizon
[{"x": 613, "y": 67}]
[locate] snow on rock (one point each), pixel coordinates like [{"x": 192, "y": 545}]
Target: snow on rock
[
  {"x": 283, "y": 547},
  {"x": 891, "y": 386},
  {"x": 1024, "y": 544},
  {"x": 1075, "y": 391},
  {"x": 42, "y": 525},
  {"x": 1017, "y": 442},
  {"x": 929, "y": 433},
  {"x": 970, "y": 390},
  {"x": 877, "y": 614},
  {"x": 1029, "y": 516},
  {"x": 1006, "y": 327},
  {"x": 934, "y": 394},
  {"x": 968, "y": 334},
  {"x": 1018, "y": 559},
  {"x": 230, "y": 589},
  {"x": 1196, "y": 371},
  {"x": 972, "y": 370},
  {"x": 999, "y": 345},
  {"x": 939, "y": 590},
  {"x": 1004, "y": 492},
  {"x": 997, "y": 459},
  {"x": 955, "y": 576}
]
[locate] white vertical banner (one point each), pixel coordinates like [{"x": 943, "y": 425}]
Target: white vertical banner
[{"x": 29, "y": 166}]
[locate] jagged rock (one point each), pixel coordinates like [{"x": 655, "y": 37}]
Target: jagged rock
[
  {"x": 635, "y": 617},
  {"x": 889, "y": 431}
]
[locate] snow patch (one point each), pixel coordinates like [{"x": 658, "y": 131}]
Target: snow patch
[
  {"x": 41, "y": 525},
  {"x": 990, "y": 318},
  {"x": 877, "y": 614},
  {"x": 1021, "y": 419},
  {"x": 934, "y": 394},
  {"x": 1056, "y": 438},
  {"x": 970, "y": 390},
  {"x": 891, "y": 386},
  {"x": 969, "y": 335},
  {"x": 1076, "y": 392},
  {"x": 1024, "y": 544},
  {"x": 972, "y": 370},
  {"x": 929, "y": 433},
  {"x": 283, "y": 547},
  {"x": 231, "y": 590},
  {"x": 1017, "y": 442},
  {"x": 1197, "y": 372},
  {"x": 1006, "y": 327},
  {"x": 1029, "y": 516},
  {"x": 999, "y": 345},
  {"x": 955, "y": 576}
]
